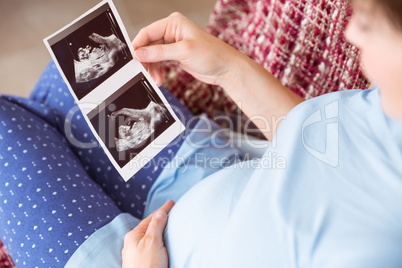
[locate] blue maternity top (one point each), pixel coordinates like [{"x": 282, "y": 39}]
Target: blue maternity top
[{"x": 326, "y": 193}]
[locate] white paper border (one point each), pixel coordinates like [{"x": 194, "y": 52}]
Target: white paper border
[{"x": 116, "y": 81}]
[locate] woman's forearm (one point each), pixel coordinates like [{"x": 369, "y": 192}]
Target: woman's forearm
[
  {"x": 212, "y": 61},
  {"x": 258, "y": 93}
]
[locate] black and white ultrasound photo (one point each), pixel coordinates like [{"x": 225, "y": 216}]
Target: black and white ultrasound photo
[
  {"x": 94, "y": 62},
  {"x": 135, "y": 126},
  {"x": 131, "y": 119},
  {"x": 93, "y": 52},
  {"x": 124, "y": 108}
]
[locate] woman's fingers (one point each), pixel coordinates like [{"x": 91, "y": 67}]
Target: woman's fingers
[
  {"x": 163, "y": 52},
  {"x": 166, "y": 29},
  {"x": 151, "y": 33},
  {"x": 138, "y": 232},
  {"x": 143, "y": 246},
  {"x": 163, "y": 40},
  {"x": 157, "y": 226},
  {"x": 158, "y": 222},
  {"x": 154, "y": 70},
  {"x": 176, "y": 38},
  {"x": 167, "y": 206}
]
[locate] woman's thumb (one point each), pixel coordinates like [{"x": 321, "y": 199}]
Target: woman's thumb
[{"x": 157, "y": 53}]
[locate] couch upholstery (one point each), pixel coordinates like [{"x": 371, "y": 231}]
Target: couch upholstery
[{"x": 300, "y": 41}]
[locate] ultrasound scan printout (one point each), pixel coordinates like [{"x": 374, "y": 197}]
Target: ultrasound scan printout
[{"x": 122, "y": 105}]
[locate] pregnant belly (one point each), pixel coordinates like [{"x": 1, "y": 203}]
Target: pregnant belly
[{"x": 197, "y": 222}]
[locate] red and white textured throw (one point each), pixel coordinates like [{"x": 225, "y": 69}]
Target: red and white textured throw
[{"x": 301, "y": 42}]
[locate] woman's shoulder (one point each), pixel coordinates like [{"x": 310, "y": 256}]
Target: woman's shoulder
[
  {"x": 347, "y": 106},
  {"x": 350, "y": 117},
  {"x": 349, "y": 99}
]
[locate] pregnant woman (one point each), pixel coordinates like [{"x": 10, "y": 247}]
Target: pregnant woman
[
  {"x": 333, "y": 202},
  {"x": 337, "y": 202}
]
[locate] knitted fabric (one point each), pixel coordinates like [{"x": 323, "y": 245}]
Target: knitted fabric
[{"x": 300, "y": 42}]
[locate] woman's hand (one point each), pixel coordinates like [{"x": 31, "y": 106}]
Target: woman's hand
[
  {"x": 261, "y": 96},
  {"x": 177, "y": 38},
  {"x": 143, "y": 246}
]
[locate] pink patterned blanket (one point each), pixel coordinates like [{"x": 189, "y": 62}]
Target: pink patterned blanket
[
  {"x": 300, "y": 41},
  {"x": 5, "y": 259}
]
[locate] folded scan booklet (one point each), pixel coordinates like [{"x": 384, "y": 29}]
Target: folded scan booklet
[{"x": 124, "y": 108}]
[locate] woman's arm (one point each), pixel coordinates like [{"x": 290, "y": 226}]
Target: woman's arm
[{"x": 258, "y": 93}]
